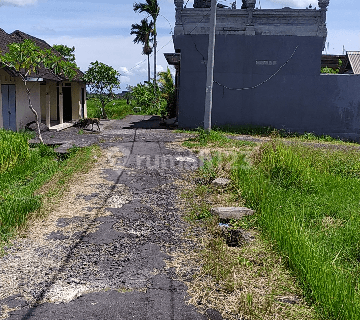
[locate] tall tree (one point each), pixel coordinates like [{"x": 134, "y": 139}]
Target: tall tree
[
  {"x": 65, "y": 51},
  {"x": 27, "y": 59},
  {"x": 143, "y": 33},
  {"x": 152, "y": 8},
  {"x": 102, "y": 80}
]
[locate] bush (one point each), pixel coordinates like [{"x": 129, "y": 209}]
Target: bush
[
  {"x": 149, "y": 98},
  {"x": 168, "y": 92}
]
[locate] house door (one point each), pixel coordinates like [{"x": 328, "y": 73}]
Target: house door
[
  {"x": 67, "y": 103},
  {"x": 8, "y": 106}
]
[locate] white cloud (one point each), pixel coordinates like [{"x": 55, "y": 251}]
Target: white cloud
[
  {"x": 18, "y": 3},
  {"x": 296, "y": 3},
  {"x": 124, "y": 70},
  {"x": 124, "y": 79}
]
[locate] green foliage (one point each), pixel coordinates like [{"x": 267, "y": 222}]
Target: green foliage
[
  {"x": 331, "y": 70},
  {"x": 65, "y": 51},
  {"x": 168, "y": 93},
  {"x": 150, "y": 7},
  {"x": 143, "y": 33},
  {"x": 307, "y": 201},
  {"x": 27, "y": 57},
  {"x": 102, "y": 80},
  {"x": 148, "y": 98}
]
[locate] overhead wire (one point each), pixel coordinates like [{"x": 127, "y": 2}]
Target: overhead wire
[
  {"x": 218, "y": 83},
  {"x": 260, "y": 84}
]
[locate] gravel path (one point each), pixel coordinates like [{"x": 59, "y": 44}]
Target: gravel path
[{"x": 103, "y": 253}]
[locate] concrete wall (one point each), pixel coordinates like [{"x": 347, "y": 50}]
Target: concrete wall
[
  {"x": 298, "y": 98},
  {"x": 23, "y": 113}
]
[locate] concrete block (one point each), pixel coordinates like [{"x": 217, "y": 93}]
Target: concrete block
[{"x": 232, "y": 212}]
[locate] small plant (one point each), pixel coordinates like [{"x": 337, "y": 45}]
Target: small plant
[
  {"x": 81, "y": 131},
  {"x": 331, "y": 70}
]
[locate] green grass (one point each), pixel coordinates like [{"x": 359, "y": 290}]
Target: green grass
[
  {"x": 13, "y": 148},
  {"x": 307, "y": 201},
  {"x": 20, "y": 182},
  {"x": 214, "y": 139},
  {"x": 246, "y": 280},
  {"x": 116, "y": 109}
]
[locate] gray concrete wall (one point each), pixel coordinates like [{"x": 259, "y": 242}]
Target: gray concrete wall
[{"x": 298, "y": 98}]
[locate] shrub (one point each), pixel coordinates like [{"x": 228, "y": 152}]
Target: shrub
[{"x": 148, "y": 97}]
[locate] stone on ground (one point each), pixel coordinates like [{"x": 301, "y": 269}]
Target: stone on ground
[
  {"x": 221, "y": 182},
  {"x": 232, "y": 212}
]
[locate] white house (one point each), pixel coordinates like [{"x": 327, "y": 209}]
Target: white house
[{"x": 56, "y": 99}]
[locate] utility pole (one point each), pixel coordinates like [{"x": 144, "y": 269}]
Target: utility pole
[{"x": 210, "y": 68}]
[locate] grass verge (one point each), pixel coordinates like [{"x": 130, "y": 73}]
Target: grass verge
[
  {"x": 13, "y": 149},
  {"x": 307, "y": 202},
  {"x": 249, "y": 281},
  {"x": 25, "y": 187}
]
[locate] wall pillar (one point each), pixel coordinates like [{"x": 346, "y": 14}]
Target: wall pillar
[
  {"x": 85, "y": 106},
  {"x": 80, "y": 104},
  {"x": 61, "y": 105},
  {"x": 47, "y": 109}
]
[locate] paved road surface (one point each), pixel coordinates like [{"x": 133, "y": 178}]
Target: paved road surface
[{"x": 102, "y": 254}]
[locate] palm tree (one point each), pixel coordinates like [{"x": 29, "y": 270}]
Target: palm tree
[
  {"x": 152, "y": 8},
  {"x": 143, "y": 33}
]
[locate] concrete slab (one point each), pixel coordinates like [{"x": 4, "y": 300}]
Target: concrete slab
[{"x": 61, "y": 126}]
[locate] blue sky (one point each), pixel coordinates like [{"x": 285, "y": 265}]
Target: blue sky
[{"x": 100, "y": 30}]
